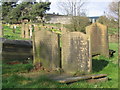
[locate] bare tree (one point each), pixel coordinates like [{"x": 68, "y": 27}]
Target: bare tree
[
  {"x": 71, "y": 7},
  {"x": 113, "y": 7}
]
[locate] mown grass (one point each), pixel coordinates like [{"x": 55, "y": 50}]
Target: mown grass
[
  {"x": 101, "y": 65},
  {"x": 8, "y": 33}
]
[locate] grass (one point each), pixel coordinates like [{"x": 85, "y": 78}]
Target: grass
[
  {"x": 8, "y": 33},
  {"x": 112, "y": 30},
  {"x": 101, "y": 65}
]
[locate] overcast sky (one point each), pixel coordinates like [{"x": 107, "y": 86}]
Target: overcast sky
[{"x": 92, "y": 7}]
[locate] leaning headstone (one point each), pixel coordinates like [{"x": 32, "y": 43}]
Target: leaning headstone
[
  {"x": 46, "y": 49},
  {"x": 98, "y": 39},
  {"x": 76, "y": 55}
]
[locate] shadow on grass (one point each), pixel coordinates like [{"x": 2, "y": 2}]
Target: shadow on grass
[{"x": 98, "y": 65}]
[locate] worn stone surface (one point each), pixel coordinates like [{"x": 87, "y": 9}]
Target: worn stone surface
[
  {"x": 89, "y": 78},
  {"x": 31, "y": 29},
  {"x": 98, "y": 39},
  {"x": 23, "y": 30},
  {"x": 46, "y": 49},
  {"x": 36, "y": 27},
  {"x": 103, "y": 79},
  {"x": 16, "y": 50},
  {"x": 76, "y": 55},
  {"x": 26, "y": 31}
]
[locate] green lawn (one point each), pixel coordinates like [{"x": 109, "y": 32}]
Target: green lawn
[
  {"x": 101, "y": 65},
  {"x": 8, "y": 33}
]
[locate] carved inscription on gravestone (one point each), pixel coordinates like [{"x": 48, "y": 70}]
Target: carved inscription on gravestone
[
  {"x": 76, "y": 55},
  {"x": 98, "y": 39},
  {"x": 46, "y": 49}
]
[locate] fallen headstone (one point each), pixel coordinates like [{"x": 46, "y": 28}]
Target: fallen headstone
[{"x": 89, "y": 78}]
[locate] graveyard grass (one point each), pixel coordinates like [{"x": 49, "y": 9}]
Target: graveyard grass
[
  {"x": 101, "y": 65},
  {"x": 8, "y": 33}
]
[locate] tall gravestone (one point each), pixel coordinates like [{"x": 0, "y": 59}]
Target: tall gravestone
[
  {"x": 27, "y": 31},
  {"x": 98, "y": 35},
  {"x": 76, "y": 55},
  {"x": 46, "y": 49},
  {"x": 36, "y": 27},
  {"x": 23, "y": 30}
]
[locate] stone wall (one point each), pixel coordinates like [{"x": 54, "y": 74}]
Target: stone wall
[{"x": 16, "y": 50}]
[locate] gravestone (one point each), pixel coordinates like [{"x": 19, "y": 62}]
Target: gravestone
[
  {"x": 1, "y": 30},
  {"x": 31, "y": 30},
  {"x": 27, "y": 32},
  {"x": 16, "y": 50},
  {"x": 76, "y": 55},
  {"x": 46, "y": 49},
  {"x": 98, "y": 39},
  {"x": 36, "y": 27},
  {"x": 23, "y": 30}
]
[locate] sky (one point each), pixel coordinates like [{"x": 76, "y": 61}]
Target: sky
[{"x": 92, "y": 7}]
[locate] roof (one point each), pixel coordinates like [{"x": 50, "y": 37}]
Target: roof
[{"x": 95, "y": 17}]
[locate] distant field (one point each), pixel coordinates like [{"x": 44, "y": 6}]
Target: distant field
[{"x": 101, "y": 65}]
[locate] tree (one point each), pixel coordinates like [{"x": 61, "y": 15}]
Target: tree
[
  {"x": 6, "y": 9},
  {"x": 25, "y": 10},
  {"x": 111, "y": 23},
  {"x": 71, "y": 7},
  {"x": 39, "y": 10},
  {"x": 78, "y": 23},
  {"x": 113, "y": 7}
]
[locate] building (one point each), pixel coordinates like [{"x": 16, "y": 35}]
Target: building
[{"x": 64, "y": 19}]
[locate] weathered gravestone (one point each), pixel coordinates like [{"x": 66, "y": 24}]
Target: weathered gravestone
[
  {"x": 76, "y": 55},
  {"x": 25, "y": 32},
  {"x": 16, "y": 50},
  {"x": 98, "y": 39},
  {"x": 46, "y": 49},
  {"x": 36, "y": 27}
]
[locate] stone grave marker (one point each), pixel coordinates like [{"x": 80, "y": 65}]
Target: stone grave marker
[
  {"x": 23, "y": 30},
  {"x": 27, "y": 32},
  {"x": 46, "y": 49},
  {"x": 76, "y": 55},
  {"x": 36, "y": 27},
  {"x": 98, "y": 39},
  {"x": 31, "y": 30}
]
